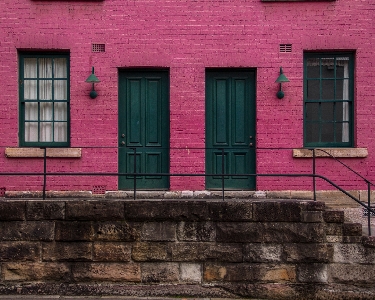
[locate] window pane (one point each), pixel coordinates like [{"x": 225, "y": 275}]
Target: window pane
[
  {"x": 327, "y": 111},
  {"x": 312, "y": 132},
  {"x": 328, "y": 89},
  {"x": 342, "y": 67},
  {"x": 45, "y": 67},
  {"x": 60, "y": 112},
  {"x": 31, "y": 111},
  {"x": 46, "y": 111},
  {"x": 46, "y": 132},
  {"x": 45, "y": 89},
  {"x": 30, "y": 90},
  {"x": 328, "y": 67},
  {"x": 31, "y": 131},
  {"x": 312, "y": 112},
  {"x": 345, "y": 132},
  {"x": 30, "y": 69},
  {"x": 60, "y": 90},
  {"x": 327, "y": 133},
  {"x": 60, "y": 68},
  {"x": 313, "y": 67},
  {"x": 313, "y": 90},
  {"x": 60, "y": 132}
]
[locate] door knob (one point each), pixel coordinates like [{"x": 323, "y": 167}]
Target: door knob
[
  {"x": 123, "y": 135},
  {"x": 122, "y": 143}
]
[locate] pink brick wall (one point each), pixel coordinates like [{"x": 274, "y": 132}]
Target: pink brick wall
[{"x": 185, "y": 36}]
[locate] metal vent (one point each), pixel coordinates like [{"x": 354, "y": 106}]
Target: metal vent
[
  {"x": 98, "y": 48},
  {"x": 366, "y": 211},
  {"x": 285, "y": 48},
  {"x": 99, "y": 189}
]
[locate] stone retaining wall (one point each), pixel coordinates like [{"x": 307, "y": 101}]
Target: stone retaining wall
[{"x": 189, "y": 248}]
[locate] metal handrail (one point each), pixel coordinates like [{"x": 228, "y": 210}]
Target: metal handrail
[
  {"x": 369, "y": 184},
  {"x": 134, "y": 174}
]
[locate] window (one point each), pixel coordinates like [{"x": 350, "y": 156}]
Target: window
[
  {"x": 44, "y": 100},
  {"x": 328, "y": 100}
]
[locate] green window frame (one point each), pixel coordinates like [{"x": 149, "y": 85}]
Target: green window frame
[
  {"x": 44, "y": 95},
  {"x": 328, "y": 99}
]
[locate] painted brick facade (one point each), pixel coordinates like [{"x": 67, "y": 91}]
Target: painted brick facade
[{"x": 186, "y": 37}]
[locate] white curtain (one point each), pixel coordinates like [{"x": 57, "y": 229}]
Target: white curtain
[
  {"x": 52, "y": 115},
  {"x": 345, "y": 107}
]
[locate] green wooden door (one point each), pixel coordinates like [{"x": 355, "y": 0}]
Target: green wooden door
[
  {"x": 230, "y": 128},
  {"x": 144, "y": 128}
]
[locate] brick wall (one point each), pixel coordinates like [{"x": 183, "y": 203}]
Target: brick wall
[
  {"x": 267, "y": 249},
  {"x": 186, "y": 37}
]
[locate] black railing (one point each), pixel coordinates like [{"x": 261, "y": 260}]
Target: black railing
[{"x": 223, "y": 174}]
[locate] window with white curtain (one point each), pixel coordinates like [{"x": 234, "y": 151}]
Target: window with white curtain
[
  {"x": 328, "y": 99},
  {"x": 44, "y": 99}
]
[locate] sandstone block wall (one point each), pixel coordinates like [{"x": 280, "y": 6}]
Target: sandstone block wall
[{"x": 196, "y": 248}]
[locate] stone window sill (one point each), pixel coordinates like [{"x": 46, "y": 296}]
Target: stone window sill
[
  {"x": 37, "y": 152},
  {"x": 336, "y": 152}
]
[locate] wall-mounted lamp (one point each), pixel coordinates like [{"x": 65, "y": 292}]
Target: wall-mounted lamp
[
  {"x": 282, "y": 78},
  {"x": 93, "y": 79}
]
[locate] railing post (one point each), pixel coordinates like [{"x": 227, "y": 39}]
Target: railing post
[
  {"x": 44, "y": 172},
  {"x": 135, "y": 171},
  {"x": 368, "y": 204},
  {"x": 222, "y": 172},
  {"x": 314, "y": 178}
]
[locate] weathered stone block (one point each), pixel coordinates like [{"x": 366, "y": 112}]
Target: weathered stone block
[
  {"x": 116, "y": 231},
  {"x": 190, "y": 272},
  {"x": 270, "y": 232},
  {"x": 249, "y": 272},
  {"x": 160, "y": 272},
  {"x": 151, "y": 252},
  {"x": 312, "y": 216},
  {"x": 159, "y": 231},
  {"x": 196, "y": 231},
  {"x": 353, "y": 253},
  {"x": 74, "y": 231},
  {"x": 36, "y": 271},
  {"x": 19, "y": 251},
  {"x": 125, "y": 272},
  {"x": 171, "y": 210},
  {"x": 352, "y": 229},
  {"x": 63, "y": 251},
  {"x": 230, "y": 211},
  {"x": 265, "y": 253},
  {"x": 12, "y": 210},
  {"x": 315, "y": 206},
  {"x": 334, "y": 229},
  {"x": 206, "y": 252},
  {"x": 352, "y": 274},
  {"x": 94, "y": 210},
  {"x": 277, "y": 211},
  {"x": 45, "y": 210},
  {"x": 312, "y": 273},
  {"x": 368, "y": 241},
  {"x": 27, "y": 231},
  {"x": 334, "y": 216},
  {"x": 307, "y": 253},
  {"x": 111, "y": 252}
]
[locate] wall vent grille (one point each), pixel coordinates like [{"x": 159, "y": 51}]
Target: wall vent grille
[
  {"x": 285, "y": 48},
  {"x": 99, "y": 189},
  {"x": 98, "y": 48}
]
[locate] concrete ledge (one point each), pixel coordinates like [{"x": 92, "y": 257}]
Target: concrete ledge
[
  {"x": 336, "y": 152},
  {"x": 38, "y": 152}
]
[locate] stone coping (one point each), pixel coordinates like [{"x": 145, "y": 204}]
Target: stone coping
[
  {"x": 38, "y": 152},
  {"x": 335, "y": 152}
]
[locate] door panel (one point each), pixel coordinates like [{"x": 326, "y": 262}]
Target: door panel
[
  {"x": 230, "y": 128},
  {"x": 144, "y": 128}
]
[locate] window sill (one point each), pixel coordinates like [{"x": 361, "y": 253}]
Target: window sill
[
  {"x": 336, "y": 152},
  {"x": 37, "y": 152}
]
